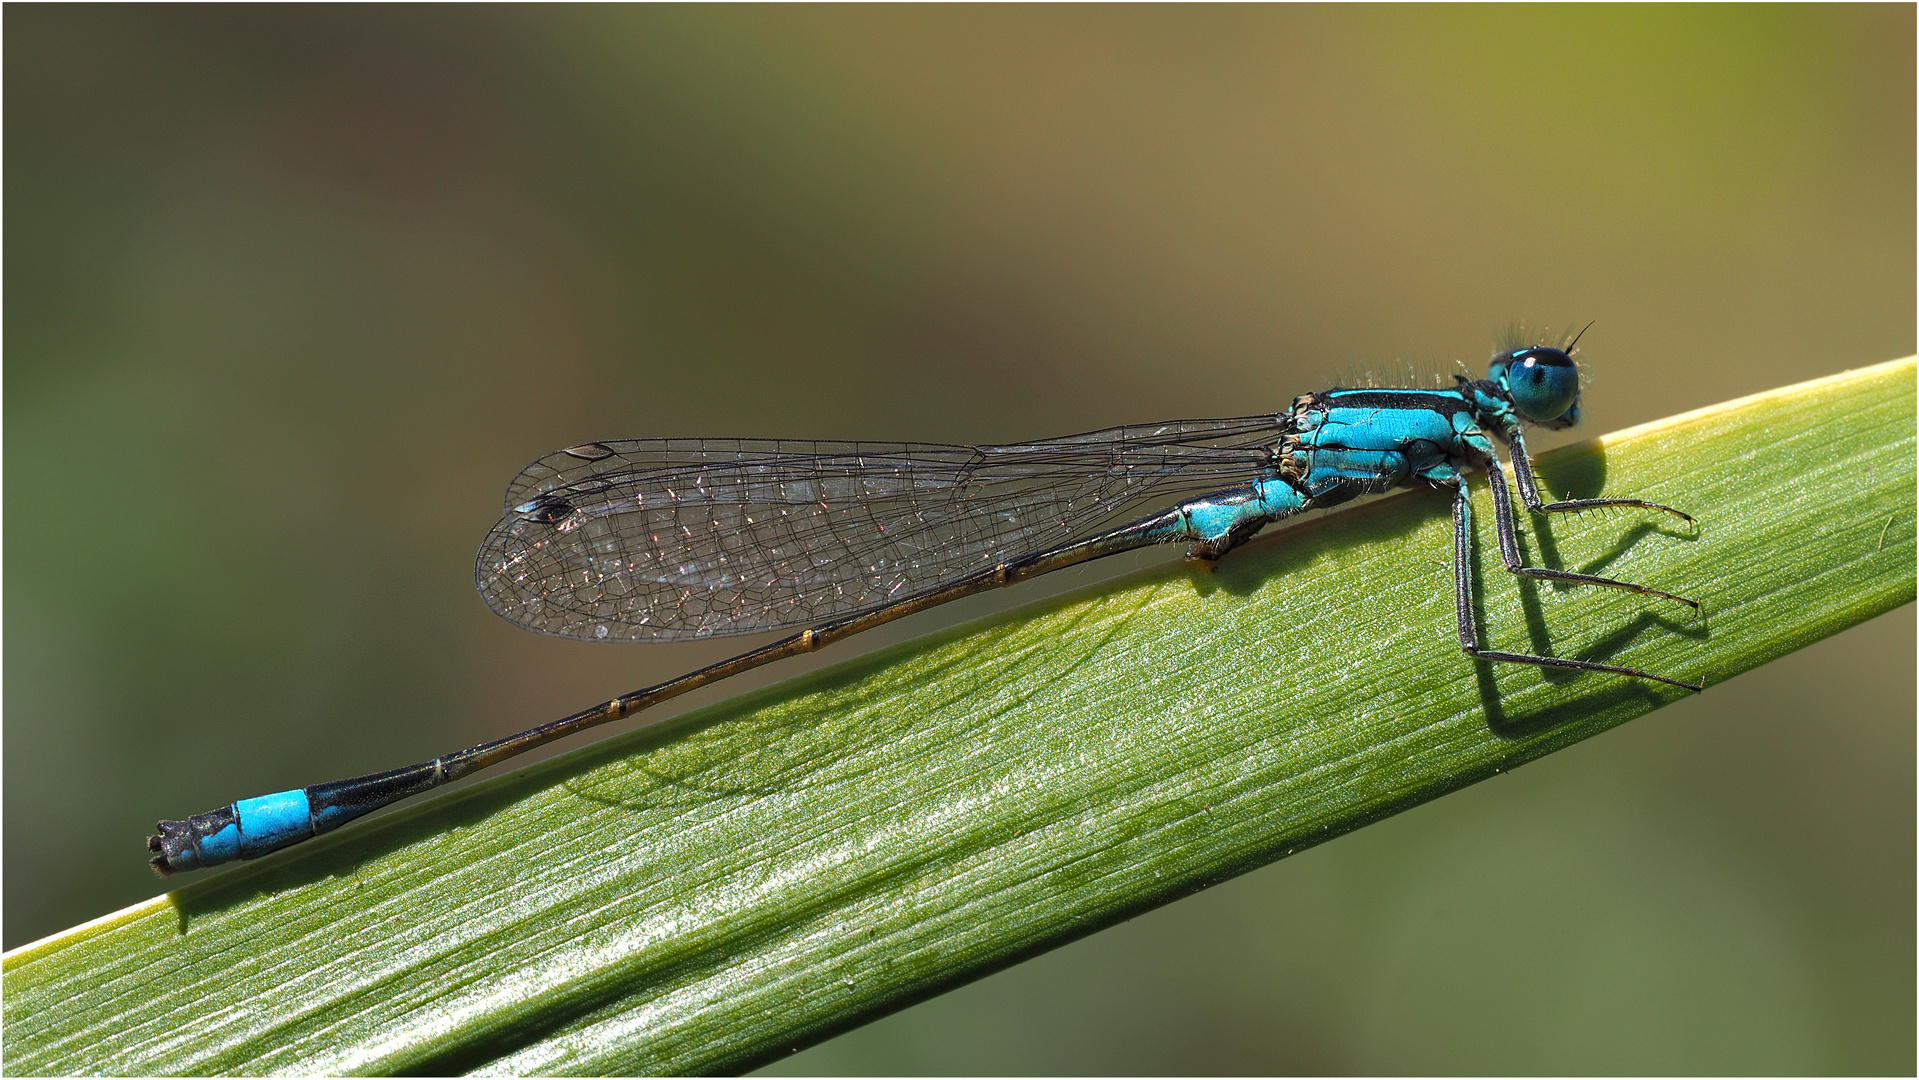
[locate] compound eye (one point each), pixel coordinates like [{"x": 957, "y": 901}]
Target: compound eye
[{"x": 1544, "y": 383}]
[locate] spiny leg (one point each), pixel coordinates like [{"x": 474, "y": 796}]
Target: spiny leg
[
  {"x": 1469, "y": 627},
  {"x": 1507, "y": 531},
  {"x": 1529, "y": 491}
]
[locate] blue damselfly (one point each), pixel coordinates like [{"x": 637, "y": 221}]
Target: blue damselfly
[{"x": 674, "y": 539}]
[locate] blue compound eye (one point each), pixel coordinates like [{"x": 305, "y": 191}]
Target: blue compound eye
[{"x": 1544, "y": 382}]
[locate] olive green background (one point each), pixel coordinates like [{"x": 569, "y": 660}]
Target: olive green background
[{"x": 292, "y": 292}]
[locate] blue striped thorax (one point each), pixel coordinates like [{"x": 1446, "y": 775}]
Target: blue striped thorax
[{"x": 1347, "y": 443}]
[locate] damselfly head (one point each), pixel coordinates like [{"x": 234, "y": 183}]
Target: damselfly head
[
  {"x": 1542, "y": 379},
  {"x": 1543, "y": 383}
]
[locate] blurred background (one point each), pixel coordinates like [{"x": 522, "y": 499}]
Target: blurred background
[{"x": 292, "y": 292}]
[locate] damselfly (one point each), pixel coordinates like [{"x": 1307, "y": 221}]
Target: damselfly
[{"x": 673, "y": 539}]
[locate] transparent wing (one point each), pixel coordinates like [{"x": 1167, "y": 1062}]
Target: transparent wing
[{"x": 668, "y": 539}]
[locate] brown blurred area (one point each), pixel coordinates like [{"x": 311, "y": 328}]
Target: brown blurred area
[{"x": 291, "y": 292}]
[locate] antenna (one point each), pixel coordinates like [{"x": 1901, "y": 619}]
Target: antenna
[{"x": 1582, "y": 333}]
